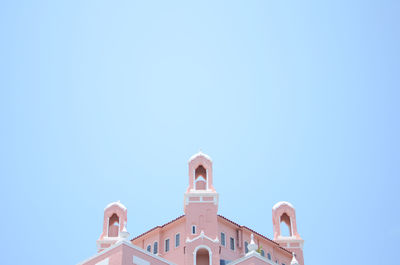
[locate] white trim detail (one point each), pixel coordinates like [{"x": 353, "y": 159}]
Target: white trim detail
[
  {"x": 140, "y": 261},
  {"x": 200, "y": 194},
  {"x": 200, "y": 153},
  {"x": 252, "y": 254},
  {"x": 118, "y": 203},
  {"x": 131, "y": 246},
  {"x": 279, "y": 204},
  {"x": 209, "y": 254},
  {"x": 202, "y": 236},
  {"x": 103, "y": 262}
]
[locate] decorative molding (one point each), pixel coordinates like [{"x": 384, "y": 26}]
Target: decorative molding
[{"x": 202, "y": 236}]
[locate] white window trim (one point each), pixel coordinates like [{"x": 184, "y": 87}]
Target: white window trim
[
  {"x": 234, "y": 247},
  {"x": 224, "y": 239},
  {"x": 177, "y": 246},
  {"x": 165, "y": 245},
  {"x": 158, "y": 248}
]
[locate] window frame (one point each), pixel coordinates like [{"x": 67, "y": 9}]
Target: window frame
[
  {"x": 165, "y": 244},
  {"x": 154, "y": 248},
  {"x": 195, "y": 230},
  {"x": 246, "y": 247},
  {"x": 148, "y": 248},
  {"x": 223, "y": 239},
  {"x": 179, "y": 241},
  {"x": 232, "y": 246}
]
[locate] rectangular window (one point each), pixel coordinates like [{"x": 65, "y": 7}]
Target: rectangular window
[
  {"x": 177, "y": 240},
  {"x": 193, "y": 229},
  {"x": 232, "y": 243},
  {"x": 155, "y": 248},
  {"x": 223, "y": 239},
  {"x": 166, "y": 245}
]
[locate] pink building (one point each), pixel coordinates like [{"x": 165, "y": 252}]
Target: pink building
[{"x": 200, "y": 236}]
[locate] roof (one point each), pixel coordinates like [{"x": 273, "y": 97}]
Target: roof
[
  {"x": 279, "y": 204},
  {"x": 118, "y": 203},
  {"x": 251, "y": 230},
  {"x": 200, "y": 153},
  {"x": 222, "y": 217},
  {"x": 159, "y": 226}
]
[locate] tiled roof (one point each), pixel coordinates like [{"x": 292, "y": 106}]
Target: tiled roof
[
  {"x": 251, "y": 230},
  {"x": 154, "y": 228},
  {"x": 224, "y": 218}
]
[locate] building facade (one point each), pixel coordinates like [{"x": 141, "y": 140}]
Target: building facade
[{"x": 201, "y": 236}]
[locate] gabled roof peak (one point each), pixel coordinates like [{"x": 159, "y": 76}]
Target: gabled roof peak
[
  {"x": 117, "y": 203},
  {"x": 279, "y": 204},
  {"x": 200, "y": 153}
]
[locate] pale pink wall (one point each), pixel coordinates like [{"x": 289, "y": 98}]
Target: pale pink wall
[
  {"x": 175, "y": 254},
  {"x": 269, "y": 247}
]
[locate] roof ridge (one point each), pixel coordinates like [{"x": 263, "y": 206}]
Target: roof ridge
[
  {"x": 158, "y": 226},
  {"x": 243, "y": 226}
]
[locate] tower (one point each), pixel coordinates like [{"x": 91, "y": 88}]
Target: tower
[
  {"x": 284, "y": 212},
  {"x": 201, "y": 207},
  {"x": 114, "y": 225}
]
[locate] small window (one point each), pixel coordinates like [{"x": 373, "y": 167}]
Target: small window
[
  {"x": 283, "y": 263},
  {"x": 246, "y": 244},
  {"x": 232, "y": 243},
  {"x": 155, "y": 248},
  {"x": 223, "y": 239},
  {"x": 149, "y": 248},
  {"x": 193, "y": 229},
  {"x": 262, "y": 253},
  {"x": 269, "y": 256},
  {"x": 167, "y": 245},
  {"x": 177, "y": 240}
]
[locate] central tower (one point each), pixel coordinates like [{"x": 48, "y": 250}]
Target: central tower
[{"x": 201, "y": 207}]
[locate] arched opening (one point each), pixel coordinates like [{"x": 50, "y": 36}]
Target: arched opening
[
  {"x": 286, "y": 228},
  {"x": 113, "y": 226},
  {"x": 202, "y": 257},
  {"x": 200, "y": 178}
]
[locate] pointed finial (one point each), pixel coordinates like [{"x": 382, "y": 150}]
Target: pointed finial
[
  {"x": 294, "y": 260},
  {"x": 252, "y": 246},
  {"x": 124, "y": 234}
]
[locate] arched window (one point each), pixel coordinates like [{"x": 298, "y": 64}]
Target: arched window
[
  {"x": 286, "y": 228},
  {"x": 246, "y": 244},
  {"x": 113, "y": 225},
  {"x": 149, "y": 248},
  {"x": 155, "y": 248},
  {"x": 269, "y": 256},
  {"x": 262, "y": 253},
  {"x": 200, "y": 178}
]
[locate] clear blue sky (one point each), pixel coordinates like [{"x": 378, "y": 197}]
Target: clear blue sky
[{"x": 106, "y": 100}]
